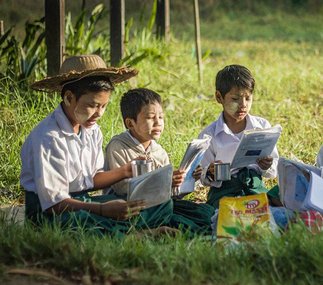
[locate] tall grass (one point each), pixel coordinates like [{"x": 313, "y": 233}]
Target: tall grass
[{"x": 289, "y": 259}]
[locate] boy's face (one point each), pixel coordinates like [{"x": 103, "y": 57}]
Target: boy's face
[
  {"x": 88, "y": 108},
  {"x": 149, "y": 124},
  {"x": 236, "y": 104}
]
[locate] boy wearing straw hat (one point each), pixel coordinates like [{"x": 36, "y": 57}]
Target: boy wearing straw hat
[{"x": 62, "y": 157}]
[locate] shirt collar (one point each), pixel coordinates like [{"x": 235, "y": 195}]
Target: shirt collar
[
  {"x": 66, "y": 126},
  {"x": 221, "y": 126},
  {"x": 150, "y": 147},
  {"x": 253, "y": 123}
]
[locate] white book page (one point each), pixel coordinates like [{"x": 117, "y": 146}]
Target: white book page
[
  {"x": 255, "y": 144},
  {"x": 191, "y": 159}
]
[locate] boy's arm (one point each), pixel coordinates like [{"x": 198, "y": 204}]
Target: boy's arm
[
  {"x": 206, "y": 164},
  {"x": 105, "y": 179},
  {"x": 115, "y": 158},
  {"x": 272, "y": 171}
]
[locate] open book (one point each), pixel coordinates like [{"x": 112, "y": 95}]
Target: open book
[
  {"x": 191, "y": 159},
  {"x": 255, "y": 144},
  {"x": 154, "y": 187}
]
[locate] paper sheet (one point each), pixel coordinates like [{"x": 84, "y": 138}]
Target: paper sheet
[
  {"x": 154, "y": 187},
  {"x": 192, "y": 158},
  {"x": 255, "y": 144}
]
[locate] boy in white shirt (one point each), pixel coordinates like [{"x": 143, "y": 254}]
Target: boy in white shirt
[
  {"x": 234, "y": 91},
  {"x": 62, "y": 157}
]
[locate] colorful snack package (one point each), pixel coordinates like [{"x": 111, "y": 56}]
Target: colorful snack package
[{"x": 244, "y": 214}]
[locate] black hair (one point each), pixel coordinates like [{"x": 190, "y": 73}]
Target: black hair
[
  {"x": 87, "y": 84},
  {"x": 133, "y": 101},
  {"x": 234, "y": 76}
]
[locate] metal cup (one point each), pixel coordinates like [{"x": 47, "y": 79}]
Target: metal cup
[
  {"x": 140, "y": 167},
  {"x": 222, "y": 171}
]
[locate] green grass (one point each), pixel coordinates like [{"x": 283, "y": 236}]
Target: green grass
[
  {"x": 284, "y": 52},
  {"x": 289, "y": 259}
]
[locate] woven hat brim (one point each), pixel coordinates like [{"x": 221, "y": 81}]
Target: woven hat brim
[{"x": 55, "y": 83}]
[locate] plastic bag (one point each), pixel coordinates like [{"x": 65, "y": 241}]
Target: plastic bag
[{"x": 243, "y": 214}]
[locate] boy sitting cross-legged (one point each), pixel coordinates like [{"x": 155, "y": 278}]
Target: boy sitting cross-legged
[
  {"x": 234, "y": 91},
  {"x": 143, "y": 118}
]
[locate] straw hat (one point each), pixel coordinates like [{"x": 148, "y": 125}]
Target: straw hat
[{"x": 80, "y": 66}]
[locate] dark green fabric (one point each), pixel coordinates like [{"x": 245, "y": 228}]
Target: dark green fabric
[
  {"x": 247, "y": 182},
  {"x": 185, "y": 215},
  {"x": 274, "y": 192},
  {"x": 148, "y": 218},
  {"x": 192, "y": 216}
]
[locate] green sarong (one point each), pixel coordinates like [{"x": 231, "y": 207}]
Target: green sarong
[
  {"x": 192, "y": 216},
  {"x": 149, "y": 218},
  {"x": 247, "y": 182}
]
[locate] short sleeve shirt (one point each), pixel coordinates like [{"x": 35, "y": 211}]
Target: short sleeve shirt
[
  {"x": 123, "y": 148},
  {"x": 224, "y": 144},
  {"x": 57, "y": 162}
]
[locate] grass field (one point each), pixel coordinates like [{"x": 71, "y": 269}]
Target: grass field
[{"x": 284, "y": 52}]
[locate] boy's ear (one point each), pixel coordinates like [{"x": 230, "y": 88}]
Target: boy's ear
[
  {"x": 68, "y": 97},
  {"x": 218, "y": 97},
  {"x": 129, "y": 123}
]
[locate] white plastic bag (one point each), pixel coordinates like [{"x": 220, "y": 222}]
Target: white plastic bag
[{"x": 300, "y": 185}]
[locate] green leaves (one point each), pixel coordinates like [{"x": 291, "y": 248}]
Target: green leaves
[
  {"x": 19, "y": 59},
  {"x": 81, "y": 38}
]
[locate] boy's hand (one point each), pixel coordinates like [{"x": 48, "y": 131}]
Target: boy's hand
[
  {"x": 127, "y": 170},
  {"x": 122, "y": 210},
  {"x": 210, "y": 170},
  {"x": 197, "y": 172},
  {"x": 141, "y": 158},
  {"x": 178, "y": 178},
  {"x": 265, "y": 162}
]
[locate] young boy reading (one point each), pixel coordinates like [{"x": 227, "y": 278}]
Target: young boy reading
[
  {"x": 62, "y": 158},
  {"x": 234, "y": 91},
  {"x": 143, "y": 118}
]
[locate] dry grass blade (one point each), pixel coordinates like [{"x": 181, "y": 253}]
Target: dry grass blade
[{"x": 36, "y": 272}]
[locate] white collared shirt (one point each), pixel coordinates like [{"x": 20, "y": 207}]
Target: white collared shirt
[
  {"x": 56, "y": 161},
  {"x": 224, "y": 144}
]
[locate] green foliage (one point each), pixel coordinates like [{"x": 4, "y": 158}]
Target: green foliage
[
  {"x": 18, "y": 60},
  {"x": 82, "y": 38}
]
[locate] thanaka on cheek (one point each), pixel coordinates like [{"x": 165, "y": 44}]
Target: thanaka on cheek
[
  {"x": 82, "y": 116},
  {"x": 232, "y": 108}
]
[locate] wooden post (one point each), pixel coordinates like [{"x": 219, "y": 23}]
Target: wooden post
[
  {"x": 198, "y": 40},
  {"x": 1, "y": 28},
  {"x": 55, "y": 41},
  {"x": 117, "y": 30},
  {"x": 163, "y": 19}
]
